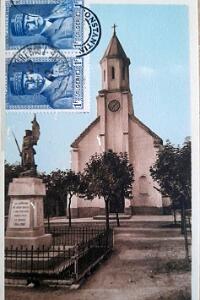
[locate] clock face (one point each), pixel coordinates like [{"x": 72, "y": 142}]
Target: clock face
[{"x": 114, "y": 105}]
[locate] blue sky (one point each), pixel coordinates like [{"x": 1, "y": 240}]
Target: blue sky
[{"x": 156, "y": 39}]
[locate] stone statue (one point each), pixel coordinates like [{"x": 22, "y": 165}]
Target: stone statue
[
  {"x": 25, "y": 227},
  {"x": 27, "y": 153}
]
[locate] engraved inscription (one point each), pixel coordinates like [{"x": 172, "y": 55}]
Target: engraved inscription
[{"x": 20, "y": 214}]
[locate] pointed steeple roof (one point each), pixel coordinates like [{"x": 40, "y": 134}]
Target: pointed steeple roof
[{"x": 114, "y": 49}]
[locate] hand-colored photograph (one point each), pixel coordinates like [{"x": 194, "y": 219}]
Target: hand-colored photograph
[{"x": 99, "y": 204}]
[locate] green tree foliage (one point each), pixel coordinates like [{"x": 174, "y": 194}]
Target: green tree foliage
[
  {"x": 11, "y": 171},
  {"x": 109, "y": 174},
  {"x": 61, "y": 187},
  {"x": 172, "y": 171},
  {"x": 55, "y": 202}
]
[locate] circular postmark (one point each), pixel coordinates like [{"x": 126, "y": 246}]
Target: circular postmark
[
  {"x": 37, "y": 51},
  {"x": 61, "y": 24},
  {"x": 40, "y": 76},
  {"x": 92, "y": 32}
]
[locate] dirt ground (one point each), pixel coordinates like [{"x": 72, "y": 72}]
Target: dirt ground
[{"x": 147, "y": 264}]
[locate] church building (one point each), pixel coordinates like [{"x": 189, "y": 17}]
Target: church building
[{"x": 116, "y": 127}]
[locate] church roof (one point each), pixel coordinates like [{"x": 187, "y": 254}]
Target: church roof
[
  {"x": 146, "y": 128},
  {"x": 114, "y": 49},
  {"x": 84, "y": 132},
  {"x": 132, "y": 117}
]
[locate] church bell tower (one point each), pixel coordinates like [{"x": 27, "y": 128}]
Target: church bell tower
[
  {"x": 117, "y": 128},
  {"x": 114, "y": 102},
  {"x": 115, "y": 67}
]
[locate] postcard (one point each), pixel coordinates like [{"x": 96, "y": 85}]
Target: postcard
[{"x": 100, "y": 150}]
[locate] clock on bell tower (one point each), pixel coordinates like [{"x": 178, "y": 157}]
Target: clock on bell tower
[
  {"x": 114, "y": 102},
  {"x": 114, "y": 105}
]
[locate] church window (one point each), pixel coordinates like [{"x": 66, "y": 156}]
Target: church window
[
  {"x": 113, "y": 72},
  {"x": 123, "y": 72},
  {"x": 143, "y": 185},
  {"x": 104, "y": 75}
]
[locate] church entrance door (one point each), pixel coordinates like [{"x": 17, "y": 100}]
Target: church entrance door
[{"x": 117, "y": 204}]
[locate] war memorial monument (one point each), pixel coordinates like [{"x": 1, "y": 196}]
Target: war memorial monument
[{"x": 26, "y": 217}]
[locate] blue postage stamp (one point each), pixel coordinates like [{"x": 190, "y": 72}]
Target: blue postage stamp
[
  {"x": 59, "y": 23},
  {"x": 46, "y": 45},
  {"x": 43, "y": 78}
]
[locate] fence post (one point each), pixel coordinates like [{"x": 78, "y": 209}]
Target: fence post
[
  {"x": 16, "y": 258},
  {"x": 76, "y": 262},
  {"x": 31, "y": 260},
  {"x": 21, "y": 257},
  {"x": 11, "y": 257}
]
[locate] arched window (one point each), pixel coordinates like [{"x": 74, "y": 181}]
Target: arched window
[
  {"x": 143, "y": 185},
  {"x": 104, "y": 75},
  {"x": 123, "y": 72},
  {"x": 113, "y": 73}
]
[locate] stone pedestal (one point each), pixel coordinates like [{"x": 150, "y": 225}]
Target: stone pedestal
[{"x": 26, "y": 215}]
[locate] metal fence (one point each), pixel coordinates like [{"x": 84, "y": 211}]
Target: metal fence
[
  {"x": 62, "y": 261},
  {"x": 64, "y": 235}
]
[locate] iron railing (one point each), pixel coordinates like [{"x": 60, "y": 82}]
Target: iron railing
[
  {"x": 62, "y": 261},
  {"x": 64, "y": 235}
]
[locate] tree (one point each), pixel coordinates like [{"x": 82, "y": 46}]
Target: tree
[
  {"x": 74, "y": 185},
  {"x": 108, "y": 175},
  {"x": 172, "y": 171},
  {"x": 62, "y": 186},
  {"x": 11, "y": 171},
  {"x": 55, "y": 201}
]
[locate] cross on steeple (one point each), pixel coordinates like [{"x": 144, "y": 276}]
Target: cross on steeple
[{"x": 114, "y": 29}]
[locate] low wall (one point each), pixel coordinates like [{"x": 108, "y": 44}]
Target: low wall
[
  {"x": 85, "y": 212},
  {"x": 147, "y": 210}
]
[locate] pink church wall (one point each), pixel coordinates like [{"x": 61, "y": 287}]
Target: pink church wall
[
  {"x": 87, "y": 146},
  {"x": 142, "y": 155}
]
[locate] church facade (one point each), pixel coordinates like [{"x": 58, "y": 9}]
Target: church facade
[{"x": 116, "y": 127}]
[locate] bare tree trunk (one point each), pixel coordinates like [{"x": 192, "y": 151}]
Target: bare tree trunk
[
  {"x": 48, "y": 219},
  {"x": 107, "y": 214},
  {"x": 174, "y": 214},
  {"x": 57, "y": 208},
  {"x": 185, "y": 231},
  {"x": 182, "y": 218},
  {"x": 69, "y": 211},
  {"x": 117, "y": 218},
  {"x": 117, "y": 200}
]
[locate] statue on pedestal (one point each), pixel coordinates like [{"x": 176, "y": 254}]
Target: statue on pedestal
[
  {"x": 27, "y": 153},
  {"x": 25, "y": 229}
]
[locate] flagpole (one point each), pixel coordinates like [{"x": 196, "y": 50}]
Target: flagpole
[{"x": 20, "y": 153}]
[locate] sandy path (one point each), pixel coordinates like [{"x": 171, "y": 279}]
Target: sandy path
[{"x": 138, "y": 269}]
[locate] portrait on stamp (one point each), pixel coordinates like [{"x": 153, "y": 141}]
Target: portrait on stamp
[
  {"x": 50, "y": 23},
  {"x": 41, "y": 83},
  {"x": 41, "y": 77}
]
